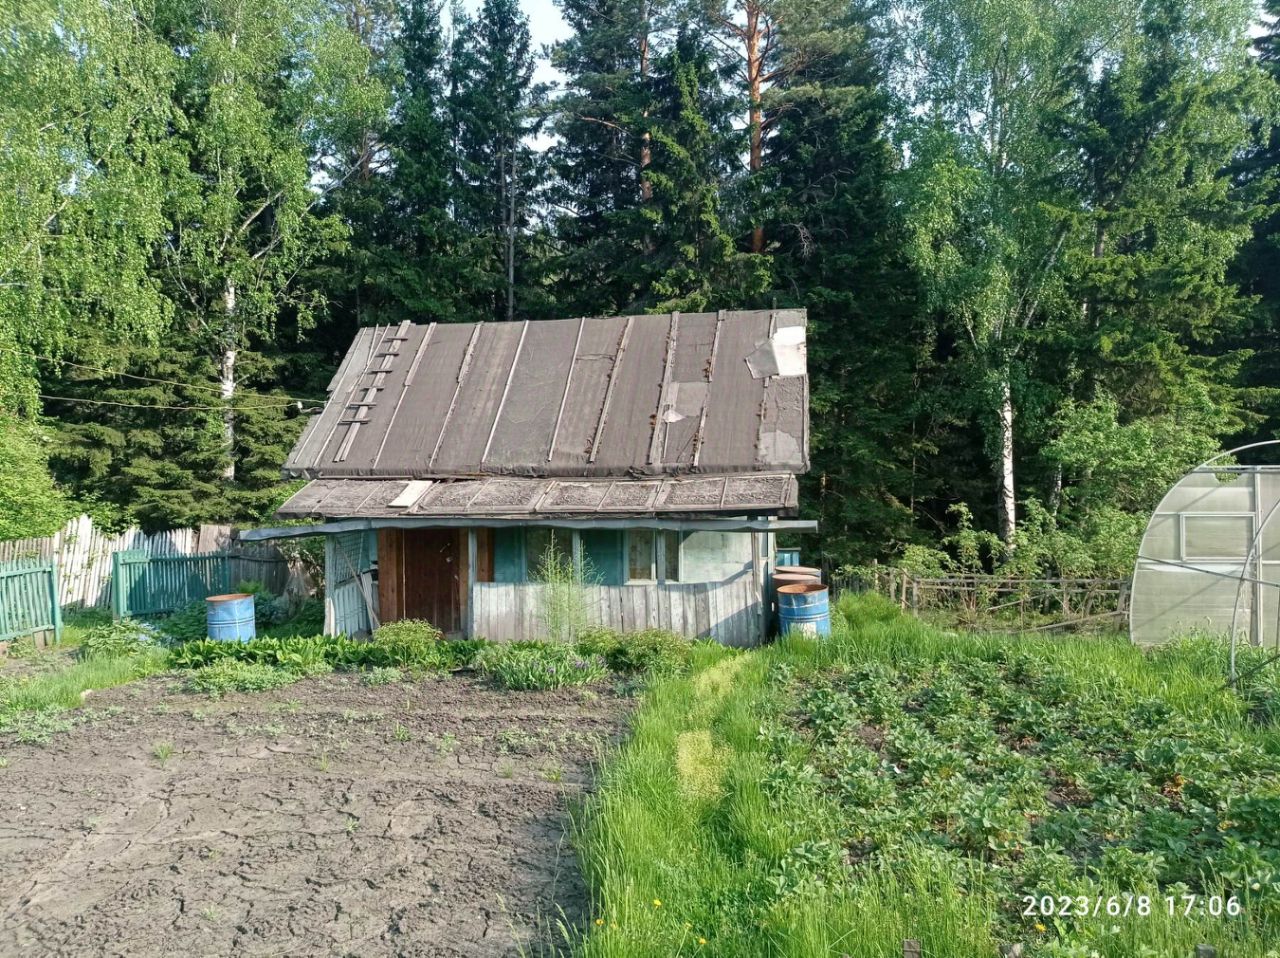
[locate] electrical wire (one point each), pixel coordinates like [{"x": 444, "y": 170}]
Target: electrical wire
[
  {"x": 139, "y": 405},
  {"x": 145, "y": 379}
]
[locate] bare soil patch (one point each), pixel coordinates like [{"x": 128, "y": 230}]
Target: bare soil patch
[{"x": 325, "y": 818}]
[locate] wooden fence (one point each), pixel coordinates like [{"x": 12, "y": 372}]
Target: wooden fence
[
  {"x": 1035, "y": 604},
  {"x": 83, "y": 554},
  {"x": 153, "y": 585},
  {"x": 730, "y": 612},
  {"x": 29, "y": 600}
]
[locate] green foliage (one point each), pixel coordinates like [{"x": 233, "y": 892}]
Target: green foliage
[
  {"x": 539, "y": 665},
  {"x": 382, "y": 675},
  {"x": 413, "y": 648},
  {"x": 117, "y": 639},
  {"x": 895, "y": 781},
  {"x": 652, "y": 651},
  {"x": 231, "y": 675},
  {"x": 31, "y": 505}
]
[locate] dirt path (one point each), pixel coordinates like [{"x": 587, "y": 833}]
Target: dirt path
[{"x": 327, "y": 818}]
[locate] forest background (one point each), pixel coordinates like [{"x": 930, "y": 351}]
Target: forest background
[{"x": 1037, "y": 239}]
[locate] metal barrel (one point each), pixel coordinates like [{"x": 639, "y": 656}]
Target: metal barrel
[
  {"x": 785, "y": 557},
  {"x": 230, "y": 617},
  {"x": 799, "y": 570},
  {"x": 803, "y": 608}
]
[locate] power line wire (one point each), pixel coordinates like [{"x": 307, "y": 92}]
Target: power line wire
[
  {"x": 138, "y": 405},
  {"x": 147, "y": 379}
]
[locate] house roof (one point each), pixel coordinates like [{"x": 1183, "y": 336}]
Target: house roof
[
  {"x": 624, "y": 396},
  {"x": 523, "y": 498}
]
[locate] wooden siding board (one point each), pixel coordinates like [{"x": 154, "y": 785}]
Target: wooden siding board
[{"x": 726, "y": 611}]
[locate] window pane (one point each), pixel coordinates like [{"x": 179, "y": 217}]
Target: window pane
[
  {"x": 671, "y": 543},
  {"x": 640, "y": 553},
  {"x": 541, "y": 544}
]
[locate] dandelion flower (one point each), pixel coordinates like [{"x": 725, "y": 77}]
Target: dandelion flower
[
  {"x": 702, "y": 941},
  {"x": 599, "y": 921},
  {"x": 657, "y": 903},
  {"x": 1039, "y": 926}
]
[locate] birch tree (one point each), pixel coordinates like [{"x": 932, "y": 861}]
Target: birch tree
[
  {"x": 988, "y": 208},
  {"x": 269, "y": 92}
]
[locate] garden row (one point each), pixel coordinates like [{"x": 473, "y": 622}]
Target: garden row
[
  {"x": 1078, "y": 797},
  {"x": 112, "y": 653}
]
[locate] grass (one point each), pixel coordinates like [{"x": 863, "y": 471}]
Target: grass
[{"x": 895, "y": 782}]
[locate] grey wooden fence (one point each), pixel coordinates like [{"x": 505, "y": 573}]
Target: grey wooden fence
[
  {"x": 730, "y": 612},
  {"x": 29, "y": 600}
]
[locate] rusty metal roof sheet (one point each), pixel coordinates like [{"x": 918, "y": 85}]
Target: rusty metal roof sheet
[
  {"x": 617, "y": 396},
  {"x": 514, "y": 498}
]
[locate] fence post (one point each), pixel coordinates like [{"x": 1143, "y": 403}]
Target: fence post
[
  {"x": 911, "y": 948},
  {"x": 117, "y": 592},
  {"x": 55, "y": 603}
]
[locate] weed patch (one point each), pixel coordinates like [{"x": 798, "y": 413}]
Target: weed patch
[{"x": 229, "y": 675}]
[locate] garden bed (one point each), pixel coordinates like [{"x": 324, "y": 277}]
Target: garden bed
[
  {"x": 330, "y": 816},
  {"x": 1074, "y": 797}
]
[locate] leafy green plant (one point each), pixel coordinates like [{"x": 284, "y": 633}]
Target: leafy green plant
[
  {"x": 126, "y": 637},
  {"x": 539, "y": 665},
  {"x": 652, "y": 650},
  {"x": 382, "y": 675},
  {"x": 229, "y": 675}
]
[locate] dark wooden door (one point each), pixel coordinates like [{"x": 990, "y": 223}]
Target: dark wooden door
[{"x": 434, "y": 576}]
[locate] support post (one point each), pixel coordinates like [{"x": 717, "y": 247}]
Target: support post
[
  {"x": 471, "y": 582},
  {"x": 55, "y": 602}
]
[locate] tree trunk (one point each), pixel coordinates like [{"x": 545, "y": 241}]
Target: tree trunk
[
  {"x": 227, "y": 382},
  {"x": 1006, "y": 498},
  {"x": 646, "y": 137},
  {"x": 511, "y": 240},
  {"x": 755, "y": 75}
]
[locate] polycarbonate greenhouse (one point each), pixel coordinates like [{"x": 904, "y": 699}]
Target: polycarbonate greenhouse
[{"x": 1210, "y": 558}]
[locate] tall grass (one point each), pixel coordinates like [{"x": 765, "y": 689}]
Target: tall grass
[
  {"x": 686, "y": 853},
  {"x": 63, "y": 688}
]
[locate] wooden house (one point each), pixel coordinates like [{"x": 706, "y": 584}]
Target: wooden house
[{"x": 658, "y": 454}]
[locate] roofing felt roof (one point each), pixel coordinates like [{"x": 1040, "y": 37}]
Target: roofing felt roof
[
  {"x": 516, "y": 498},
  {"x": 624, "y": 395}
]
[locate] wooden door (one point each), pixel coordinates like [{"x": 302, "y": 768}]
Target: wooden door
[{"x": 434, "y": 576}]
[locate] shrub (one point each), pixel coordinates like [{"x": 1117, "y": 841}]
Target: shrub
[
  {"x": 530, "y": 665},
  {"x": 186, "y": 625},
  {"x": 115, "y": 639},
  {"x": 229, "y": 675},
  {"x": 653, "y": 650},
  {"x": 383, "y": 675}
]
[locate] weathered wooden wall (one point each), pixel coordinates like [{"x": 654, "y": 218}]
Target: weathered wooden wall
[
  {"x": 730, "y": 612},
  {"x": 83, "y": 553}
]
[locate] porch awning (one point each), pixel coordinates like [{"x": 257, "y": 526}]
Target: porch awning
[
  {"x": 520, "y": 498},
  {"x": 689, "y": 524}
]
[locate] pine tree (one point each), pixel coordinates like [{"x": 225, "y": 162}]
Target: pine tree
[
  {"x": 604, "y": 148},
  {"x": 835, "y": 244},
  {"x": 496, "y": 110},
  {"x": 692, "y": 262}
]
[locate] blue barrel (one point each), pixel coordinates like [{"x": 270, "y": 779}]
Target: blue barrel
[
  {"x": 231, "y": 617},
  {"x": 803, "y": 608},
  {"x": 787, "y": 557}
]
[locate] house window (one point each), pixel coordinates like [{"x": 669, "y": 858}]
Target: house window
[
  {"x": 542, "y": 547},
  {"x": 646, "y": 562}
]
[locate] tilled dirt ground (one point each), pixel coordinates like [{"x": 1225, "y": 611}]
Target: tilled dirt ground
[{"x": 325, "y": 818}]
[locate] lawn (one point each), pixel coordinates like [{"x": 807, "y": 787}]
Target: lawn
[{"x": 899, "y": 782}]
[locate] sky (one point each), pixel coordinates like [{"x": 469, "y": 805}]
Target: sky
[{"x": 546, "y": 26}]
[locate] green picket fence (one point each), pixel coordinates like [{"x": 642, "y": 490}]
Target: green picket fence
[
  {"x": 144, "y": 584},
  {"x": 29, "y": 600}
]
